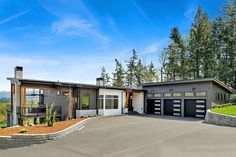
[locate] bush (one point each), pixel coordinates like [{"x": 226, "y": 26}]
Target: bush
[
  {"x": 23, "y": 130},
  {"x": 222, "y": 105},
  {"x": 30, "y": 122},
  {"x": 37, "y": 121},
  {"x": 50, "y": 115}
]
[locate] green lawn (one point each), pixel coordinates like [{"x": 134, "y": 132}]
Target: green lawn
[{"x": 231, "y": 110}]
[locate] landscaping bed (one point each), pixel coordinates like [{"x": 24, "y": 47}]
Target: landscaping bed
[
  {"x": 40, "y": 129},
  {"x": 229, "y": 110}
]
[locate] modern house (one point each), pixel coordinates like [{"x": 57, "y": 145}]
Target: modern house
[
  {"x": 186, "y": 98},
  {"x": 29, "y": 98}
]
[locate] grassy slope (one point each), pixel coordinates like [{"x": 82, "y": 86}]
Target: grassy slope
[{"x": 231, "y": 110}]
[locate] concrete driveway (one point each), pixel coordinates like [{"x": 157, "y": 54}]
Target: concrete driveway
[{"x": 132, "y": 136}]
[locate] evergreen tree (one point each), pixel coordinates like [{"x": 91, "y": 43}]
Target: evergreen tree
[
  {"x": 139, "y": 73},
  {"x": 149, "y": 73},
  {"x": 105, "y": 76},
  {"x": 227, "y": 69},
  {"x": 130, "y": 73},
  {"x": 178, "y": 46},
  {"x": 118, "y": 75},
  {"x": 199, "y": 44}
]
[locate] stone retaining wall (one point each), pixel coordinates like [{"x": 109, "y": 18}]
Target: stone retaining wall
[
  {"x": 220, "y": 119},
  {"x": 21, "y": 140}
]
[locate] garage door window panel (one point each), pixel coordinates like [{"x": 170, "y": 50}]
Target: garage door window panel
[
  {"x": 188, "y": 94},
  {"x": 200, "y": 94},
  {"x": 167, "y": 94}
]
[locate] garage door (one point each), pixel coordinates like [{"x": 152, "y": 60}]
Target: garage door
[
  {"x": 195, "y": 108},
  {"x": 172, "y": 107},
  {"x": 154, "y": 106}
]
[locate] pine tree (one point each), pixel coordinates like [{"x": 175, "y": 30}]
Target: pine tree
[
  {"x": 130, "y": 73},
  {"x": 149, "y": 73},
  {"x": 139, "y": 73},
  {"x": 228, "y": 44},
  {"x": 200, "y": 45},
  {"x": 105, "y": 76},
  {"x": 177, "y": 45},
  {"x": 118, "y": 75}
]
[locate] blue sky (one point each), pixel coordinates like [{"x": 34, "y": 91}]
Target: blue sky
[{"x": 70, "y": 40}]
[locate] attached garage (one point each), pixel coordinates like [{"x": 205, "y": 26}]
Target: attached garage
[
  {"x": 154, "y": 106},
  {"x": 172, "y": 107},
  {"x": 195, "y": 108}
]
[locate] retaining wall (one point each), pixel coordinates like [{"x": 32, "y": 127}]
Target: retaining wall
[
  {"x": 220, "y": 119},
  {"x": 21, "y": 140}
]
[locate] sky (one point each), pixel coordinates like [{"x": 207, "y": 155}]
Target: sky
[{"x": 70, "y": 40}]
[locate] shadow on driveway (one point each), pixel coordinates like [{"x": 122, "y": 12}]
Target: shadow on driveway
[{"x": 168, "y": 117}]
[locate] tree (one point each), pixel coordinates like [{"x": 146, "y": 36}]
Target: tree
[
  {"x": 118, "y": 75},
  {"x": 149, "y": 73},
  {"x": 177, "y": 46},
  {"x": 130, "y": 73},
  {"x": 163, "y": 62},
  {"x": 199, "y": 45},
  {"x": 227, "y": 40},
  {"x": 105, "y": 76},
  {"x": 139, "y": 68}
]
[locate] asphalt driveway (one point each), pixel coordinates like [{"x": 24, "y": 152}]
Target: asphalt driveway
[{"x": 132, "y": 136}]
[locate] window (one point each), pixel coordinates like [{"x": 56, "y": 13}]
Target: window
[
  {"x": 100, "y": 101},
  {"x": 32, "y": 97},
  {"x": 85, "y": 101},
  {"x": 220, "y": 96},
  {"x": 157, "y": 95},
  {"x": 149, "y": 95},
  {"x": 111, "y": 101},
  {"x": 167, "y": 94},
  {"x": 177, "y": 94},
  {"x": 188, "y": 94},
  {"x": 201, "y": 94}
]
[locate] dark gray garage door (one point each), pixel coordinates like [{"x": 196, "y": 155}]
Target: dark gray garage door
[
  {"x": 172, "y": 107},
  {"x": 153, "y": 106},
  {"x": 195, "y": 108}
]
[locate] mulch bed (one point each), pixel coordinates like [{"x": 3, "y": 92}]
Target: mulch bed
[{"x": 40, "y": 129}]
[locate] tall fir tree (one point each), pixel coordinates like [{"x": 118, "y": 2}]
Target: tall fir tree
[
  {"x": 105, "y": 76},
  {"x": 139, "y": 68},
  {"x": 130, "y": 73},
  {"x": 118, "y": 75},
  {"x": 199, "y": 44}
]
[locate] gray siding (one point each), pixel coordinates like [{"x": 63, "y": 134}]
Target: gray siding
[
  {"x": 218, "y": 89},
  {"x": 187, "y": 87}
]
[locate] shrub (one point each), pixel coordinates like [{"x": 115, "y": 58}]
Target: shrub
[
  {"x": 222, "y": 105},
  {"x": 50, "y": 115},
  {"x": 37, "y": 121},
  {"x": 30, "y": 122},
  {"x": 23, "y": 130}
]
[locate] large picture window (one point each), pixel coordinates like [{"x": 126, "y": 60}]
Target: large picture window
[
  {"x": 32, "y": 97},
  {"x": 85, "y": 101},
  {"x": 111, "y": 102}
]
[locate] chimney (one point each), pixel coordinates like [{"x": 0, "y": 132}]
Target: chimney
[
  {"x": 18, "y": 72},
  {"x": 99, "y": 81}
]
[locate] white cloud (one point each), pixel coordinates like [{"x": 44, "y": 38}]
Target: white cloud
[
  {"x": 8, "y": 19},
  {"x": 155, "y": 47},
  {"x": 74, "y": 26}
]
